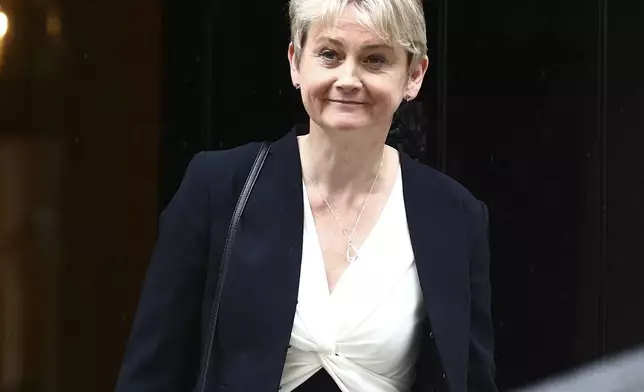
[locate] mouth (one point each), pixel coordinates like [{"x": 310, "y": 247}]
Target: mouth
[{"x": 346, "y": 102}]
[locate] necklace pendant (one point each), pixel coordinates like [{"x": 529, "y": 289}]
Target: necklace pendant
[{"x": 352, "y": 253}]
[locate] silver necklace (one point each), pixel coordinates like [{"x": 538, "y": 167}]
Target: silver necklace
[{"x": 352, "y": 251}]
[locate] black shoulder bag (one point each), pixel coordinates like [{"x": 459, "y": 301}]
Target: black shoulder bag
[{"x": 225, "y": 259}]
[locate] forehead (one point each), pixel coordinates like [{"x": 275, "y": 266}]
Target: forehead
[{"x": 347, "y": 28}]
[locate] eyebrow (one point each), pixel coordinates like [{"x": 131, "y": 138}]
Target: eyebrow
[{"x": 369, "y": 46}]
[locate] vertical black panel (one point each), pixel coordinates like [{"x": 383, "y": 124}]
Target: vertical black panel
[
  {"x": 625, "y": 185},
  {"x": 593, "y": 224},
  {"x": 441, "y": 82},
  {"x": 186, "y": 95},
  {"x": 253, "y": 96},
  {"x": 522, "y": 136}
]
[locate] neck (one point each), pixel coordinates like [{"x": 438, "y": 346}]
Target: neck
[{"x": 343, "y": 161}]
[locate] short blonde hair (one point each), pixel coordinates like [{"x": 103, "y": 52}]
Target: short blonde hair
[{"x": 394, "y": 21}]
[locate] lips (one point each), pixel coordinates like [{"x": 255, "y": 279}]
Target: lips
[{"x": 346, "y": 102}]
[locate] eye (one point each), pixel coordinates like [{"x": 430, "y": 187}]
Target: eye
[
  {"x": 328, "y": 54},
  {"x": 376, "y": 60}
]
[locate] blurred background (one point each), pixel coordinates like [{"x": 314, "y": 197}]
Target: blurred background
[{"x": 536, "y": 106}]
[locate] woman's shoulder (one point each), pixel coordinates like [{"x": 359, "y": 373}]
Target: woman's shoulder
[
  {"x": 441, "y": 184},
  {"x": 214, "y": 159},
  {"x": 450, "y": 196},
  {"x": 218, "y": 173},
  {"x": 222, "y": 163}
]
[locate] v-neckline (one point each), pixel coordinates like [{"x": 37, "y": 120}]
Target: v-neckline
[{"x": 319, "y": 255}]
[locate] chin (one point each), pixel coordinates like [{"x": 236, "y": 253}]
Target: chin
[
  {"x": 345, "y": 126},
  {"x": 347, "y": 123}
]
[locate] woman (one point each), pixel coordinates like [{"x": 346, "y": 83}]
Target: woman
[{"x": 354, "y": 269}]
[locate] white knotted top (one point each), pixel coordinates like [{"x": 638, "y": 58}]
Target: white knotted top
[{"x": 365, "y": 333}]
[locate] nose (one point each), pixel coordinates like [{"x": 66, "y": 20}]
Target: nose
[{"x": 349, "y": 77}]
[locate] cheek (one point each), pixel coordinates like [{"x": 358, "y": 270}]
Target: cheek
[
  {"x": 386, "y": 92},
  {"x": 313, "y": 95},
  {"x": 318, "y": 85}
]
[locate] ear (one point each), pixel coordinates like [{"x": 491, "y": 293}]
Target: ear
[
  {"x": 416, "y": 77},
  {"x": 295, "y": 73}
]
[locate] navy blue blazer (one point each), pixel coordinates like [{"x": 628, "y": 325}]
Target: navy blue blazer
[{"x": 448, "y": 230}]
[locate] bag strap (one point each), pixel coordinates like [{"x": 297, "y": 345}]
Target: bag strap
[{"x": 225, "y": 259}]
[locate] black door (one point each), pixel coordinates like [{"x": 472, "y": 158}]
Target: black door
[{"x": 535, "y": 106}]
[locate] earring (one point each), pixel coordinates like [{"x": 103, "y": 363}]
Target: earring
[
  {"x": 407, "y": 98},
  {"x": 297, "y": 86}
]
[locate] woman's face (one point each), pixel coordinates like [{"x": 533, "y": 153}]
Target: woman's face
[{"x": 350, "y": 78}]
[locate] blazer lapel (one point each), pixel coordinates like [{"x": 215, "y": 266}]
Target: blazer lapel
[{"x": 440, "y": 250}]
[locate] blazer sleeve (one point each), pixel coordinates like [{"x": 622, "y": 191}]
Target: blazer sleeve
[
  {"x": 163, "y": 351},
  {"x": 481, "y": 372}
]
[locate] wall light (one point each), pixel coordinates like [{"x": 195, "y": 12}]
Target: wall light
[{"x": 4, "y": 24}]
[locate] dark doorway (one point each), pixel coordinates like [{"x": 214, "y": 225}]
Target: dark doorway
[{"x": 535, "y": 106}]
